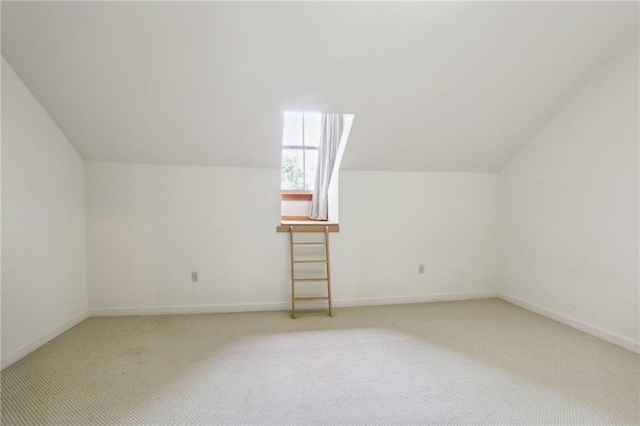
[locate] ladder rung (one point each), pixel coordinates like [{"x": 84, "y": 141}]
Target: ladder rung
[
  {"x": 309, "y": 261},
  {"x": 320, "y": 242},
  {"x": 309, "y": 299},
  {"x": 310, "y": 279}
]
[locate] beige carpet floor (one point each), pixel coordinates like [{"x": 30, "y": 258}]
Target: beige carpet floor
[{"x": 452, "y": 363}]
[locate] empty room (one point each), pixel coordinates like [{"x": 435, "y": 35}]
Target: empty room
[{"x": 310, "y": 213}]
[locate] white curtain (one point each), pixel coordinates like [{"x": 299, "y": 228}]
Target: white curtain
[{"x": 330, "y": 135}]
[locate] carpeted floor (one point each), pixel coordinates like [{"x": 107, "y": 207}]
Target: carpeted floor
[{"x": 452, "y": 363}]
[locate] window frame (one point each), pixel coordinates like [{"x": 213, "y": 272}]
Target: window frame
[{"x": 293, "y": 193}]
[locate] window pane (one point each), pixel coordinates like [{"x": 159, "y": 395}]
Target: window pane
[
  {"x": 311, "y": 166},
  {"x": 292, "y": 169},
  {"x": 292, "y": 133},
  {"x": 312, "y": 129}
]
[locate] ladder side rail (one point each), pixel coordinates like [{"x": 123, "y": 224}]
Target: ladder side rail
[
  {"x": 326, "y": 247},
  {"x": 293, "y": 297}
]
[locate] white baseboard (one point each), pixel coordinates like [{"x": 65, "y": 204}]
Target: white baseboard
[
  {"x": 575, "y": 323},
  {"x": 25, "y": 350},
  {"x": 282, "y": 306},
  {"x": 421, "y": 298},
  {"x": 189, "y": 309}
]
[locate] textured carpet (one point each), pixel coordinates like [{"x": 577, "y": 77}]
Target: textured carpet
[{"x": 450, "y": 363}]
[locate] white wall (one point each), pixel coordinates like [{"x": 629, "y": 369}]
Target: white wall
[
  {"x": 296, "y": 208},
  {"x": 44, "y": 280},
  {"x": 150, "y": 226},
  {"x": 569, "y": 210},
  {"x": 391, "y": 222}
]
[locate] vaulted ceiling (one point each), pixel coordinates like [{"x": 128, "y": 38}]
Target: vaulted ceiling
[{"x": 434, "y": 86}]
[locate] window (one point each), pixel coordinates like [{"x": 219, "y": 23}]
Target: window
[
  {"x": 300, "y": 152},
  {"x": 300, "y": 142}
]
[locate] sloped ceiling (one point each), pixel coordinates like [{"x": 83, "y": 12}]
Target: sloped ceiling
[{"x": 434, "y": 86}]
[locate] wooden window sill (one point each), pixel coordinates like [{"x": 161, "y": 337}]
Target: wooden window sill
[
  {"x": 296, "y": 195},
  {"x": 307, "y": 225}
]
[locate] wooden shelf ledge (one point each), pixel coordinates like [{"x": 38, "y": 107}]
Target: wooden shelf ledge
[{"x": 307, "y": 226}]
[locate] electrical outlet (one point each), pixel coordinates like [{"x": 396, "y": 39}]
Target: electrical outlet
[
  {"x": 194, "y": 277},
  {"x": 421, "y": 269}
]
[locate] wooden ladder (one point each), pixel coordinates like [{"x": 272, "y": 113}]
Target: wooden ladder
[{"x": 294, "y": 280}]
